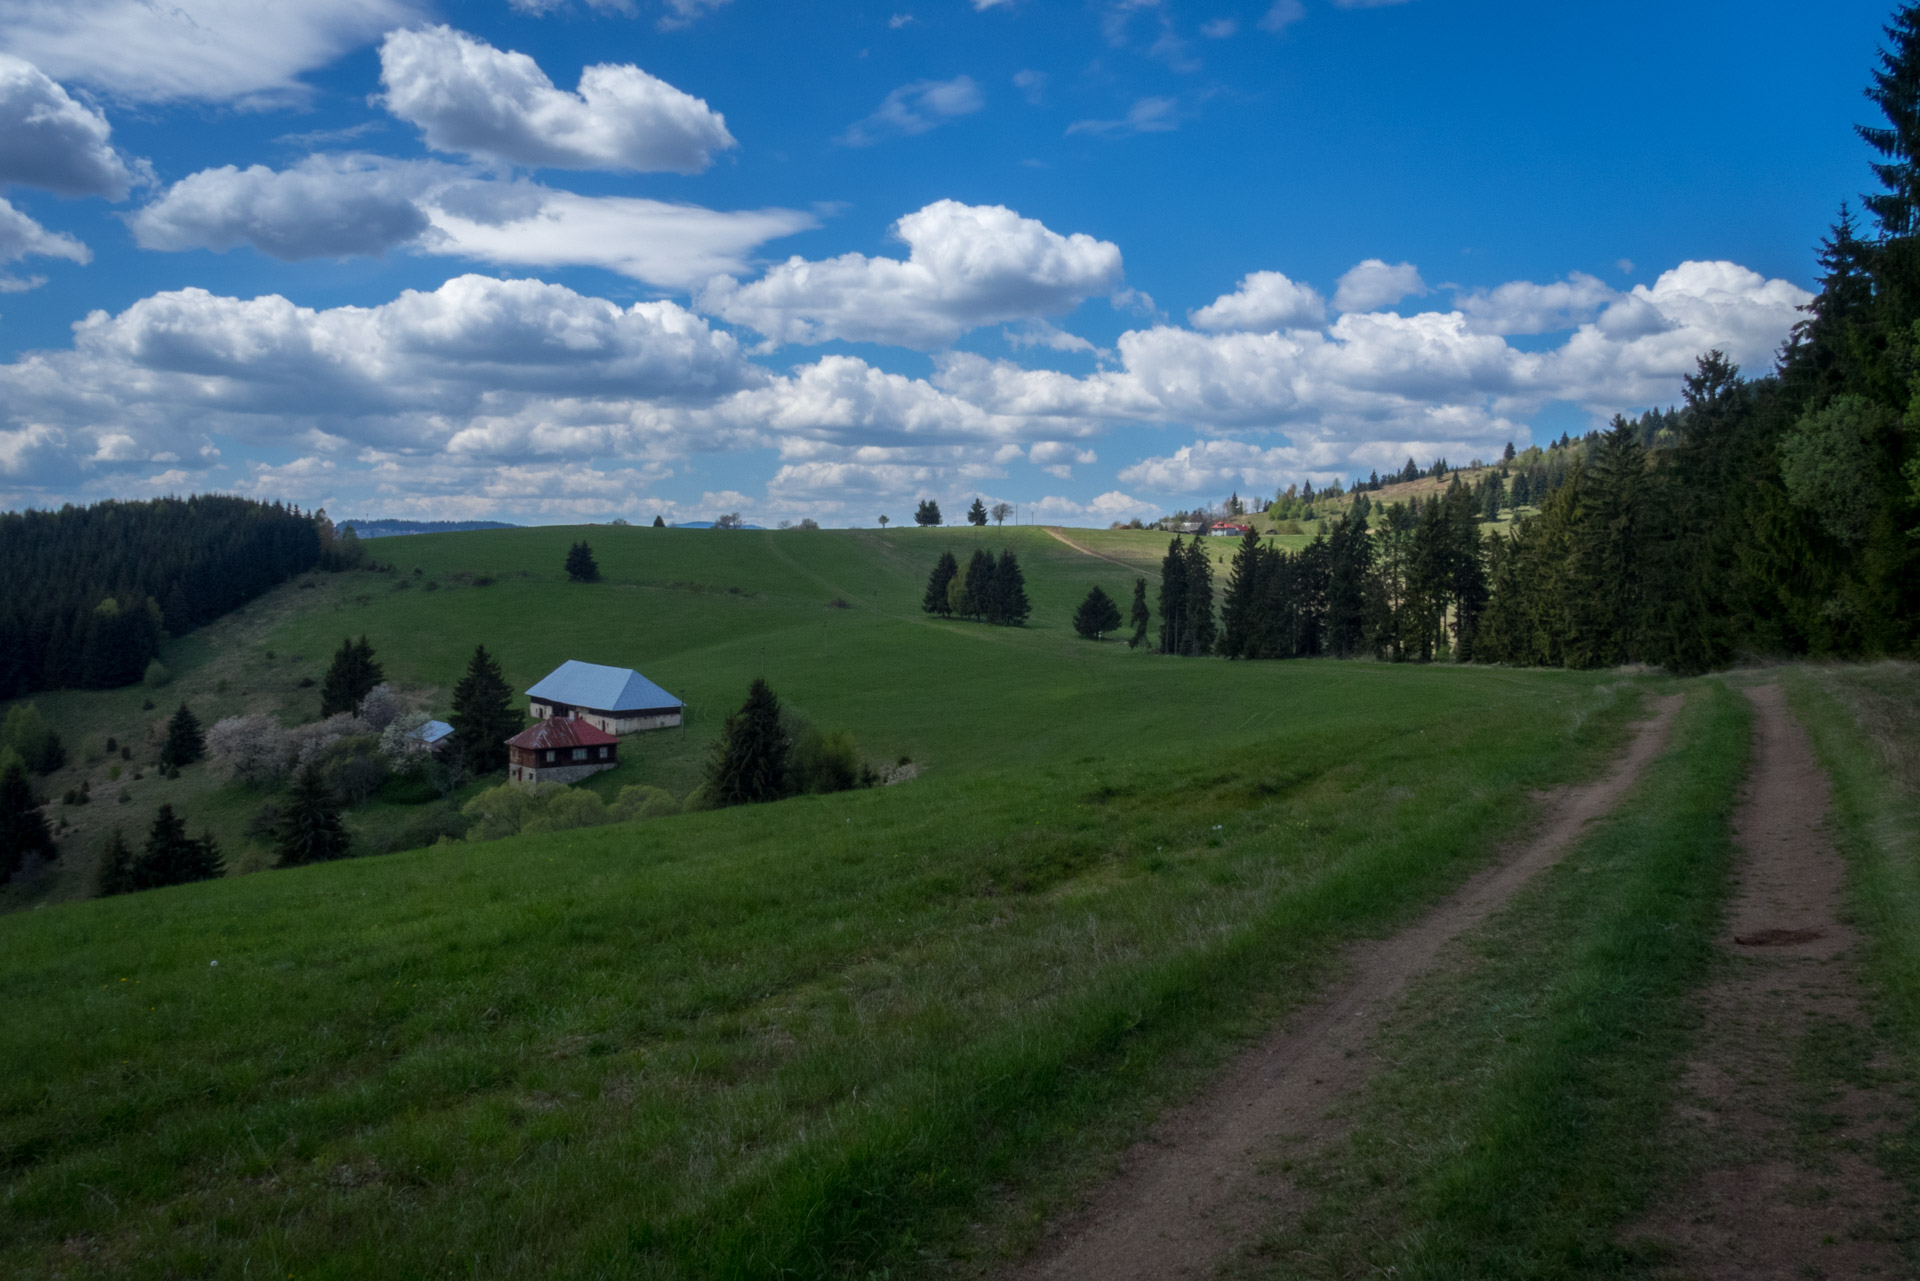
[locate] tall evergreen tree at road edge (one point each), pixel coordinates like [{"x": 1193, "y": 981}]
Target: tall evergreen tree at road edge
[{"x": 483, "y": 718}]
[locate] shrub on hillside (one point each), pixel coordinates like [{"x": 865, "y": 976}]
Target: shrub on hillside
[
  {"x": 381, "y": 706},
  {"x": 27, "y": 734}
]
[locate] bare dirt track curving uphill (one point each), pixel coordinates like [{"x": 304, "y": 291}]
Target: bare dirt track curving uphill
[
  {"x": 1200, "y": 1183},
  {"x": 1782, "y": 1101}
]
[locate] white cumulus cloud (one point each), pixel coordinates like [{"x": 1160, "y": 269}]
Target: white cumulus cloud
[
  {"x": 967, "y": 266},
  {"x": 1265, "y": 300},
  {"x": 1522, "y": 307},
  {"x": 324, "y": 207},
  {"x": 1374, "y": 283},
  {"x": 50, "y": 141},
  {"x": 471, "y": 98}
]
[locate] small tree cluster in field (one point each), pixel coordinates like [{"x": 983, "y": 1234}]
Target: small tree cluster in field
[
  {"x": 926, "y": 514},
  {"x": 581, "y": 566},
  {"x": 170, "y": 857},
  {"x": 351, "y": 677},
  {"x": 992, "y": 590},
  {"x": 765, "y": 755}
]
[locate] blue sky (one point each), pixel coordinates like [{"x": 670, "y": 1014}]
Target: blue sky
[{"x": 568, "y": 260}]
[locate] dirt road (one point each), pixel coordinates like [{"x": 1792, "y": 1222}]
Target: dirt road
[
  {"x": 1197, "y": 1185},
  {"x": 1782, "y": 1102}
]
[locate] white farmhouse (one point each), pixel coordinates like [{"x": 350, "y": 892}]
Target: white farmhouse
[{"x": 618, "y": 700}]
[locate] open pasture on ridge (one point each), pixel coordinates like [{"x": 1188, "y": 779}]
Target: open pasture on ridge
[{"x": 823, "y": 1035}]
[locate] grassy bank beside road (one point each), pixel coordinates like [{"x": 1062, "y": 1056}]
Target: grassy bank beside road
[{"x": 1516, "y": 1125}]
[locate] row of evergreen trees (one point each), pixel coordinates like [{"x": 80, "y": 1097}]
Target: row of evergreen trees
[
  {"x": 91, "y": 590},
  {"x": 992, "y": 590}
]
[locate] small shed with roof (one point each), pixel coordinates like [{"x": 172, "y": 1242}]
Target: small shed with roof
[
  {"x": 561, "y": 749},
  {"x": 618, "y": 700}
]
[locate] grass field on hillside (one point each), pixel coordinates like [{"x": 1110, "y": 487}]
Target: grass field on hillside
[{"x": 822, "y": 1036}]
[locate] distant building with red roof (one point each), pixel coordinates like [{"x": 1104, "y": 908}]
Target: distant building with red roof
[
  {"x": 1227, "y": 529},
  {"x": 560, "y": 749}
]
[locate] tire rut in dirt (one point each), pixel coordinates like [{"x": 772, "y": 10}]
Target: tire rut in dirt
[{"x": 1785, "y": 1096}]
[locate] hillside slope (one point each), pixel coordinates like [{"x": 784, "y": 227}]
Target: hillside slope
[{"x": 822, "y": 1035}]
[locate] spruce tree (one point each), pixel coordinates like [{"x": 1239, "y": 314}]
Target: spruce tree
[
  {"x": 581, "y": 566},
  {"x": 1141, "y": 617},
  {"x": 977, "y": 514},
  {"x": 352, "y": 674},
  {"x": 310, "y": 829},
  {"x": 659, "y": 522},
  {"x": 936, "y": 600},
  {"x": 979, "y": 596},
  {"x": 1011, "y": 606},
  {"x": 1240, "y": 613},
  {"x": 185, "y": 743},
  {"x": 1896, "y": 91},
  {"x": 116, "y": 866},
  {"x": 749, "y": 762},
  {"x": 927, "y": 513},
  {"x": 173, "y": 858},
  {"x": 1201, "y": 631},
  {"x": 22, "y": 830},
  {"x": 1173, "y": 598},
  {"x": 1349, "y": 570},
  {"x": 1097, "y": 614},
  {"x": 483, "y": 718}
]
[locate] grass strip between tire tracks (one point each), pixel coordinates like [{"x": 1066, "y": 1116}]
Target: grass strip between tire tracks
[{"x": 1515, "y": 1124}]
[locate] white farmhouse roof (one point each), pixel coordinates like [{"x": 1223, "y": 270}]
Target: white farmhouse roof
[{"x": 604, "y": 689}]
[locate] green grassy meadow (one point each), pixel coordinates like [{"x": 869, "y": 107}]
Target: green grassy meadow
[{"x": 870, "y": 1031}]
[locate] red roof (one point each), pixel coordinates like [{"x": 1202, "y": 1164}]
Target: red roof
[{"x": 562, "y": 731}]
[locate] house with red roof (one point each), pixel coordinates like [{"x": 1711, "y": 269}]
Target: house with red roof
[{"x": 560, "y": 749}]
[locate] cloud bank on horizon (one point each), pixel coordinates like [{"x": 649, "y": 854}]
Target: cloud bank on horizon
[{"x": 476, "y": 292}]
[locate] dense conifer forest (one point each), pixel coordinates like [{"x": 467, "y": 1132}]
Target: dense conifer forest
[{"x": 91, "y": 590}]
